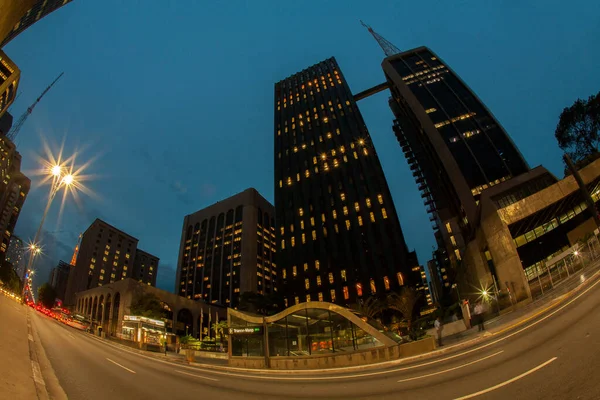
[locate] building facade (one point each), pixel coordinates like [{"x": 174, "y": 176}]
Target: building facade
[
  {"x": 14, "y": 187},
  {"x": 59, "y": 277},
  {"x": 16, "y": 254},
  {"x": 10, "y": 75},
  {"x": 227, "y": 249},
  {"x": 106, "y": 254},
  {"x": 454, "y": 145},
  {"x": 145, "y": 266},
  {"x": 339, "y": 238},
  {"x": 16, "y": 16}
]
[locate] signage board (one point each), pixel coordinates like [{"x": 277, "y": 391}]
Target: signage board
[
  {"x": 143, "y": 319},
  {"x": 246, "y": 331}
]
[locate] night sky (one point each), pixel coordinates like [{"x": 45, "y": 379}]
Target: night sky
[{"x": 174, "y": 99}]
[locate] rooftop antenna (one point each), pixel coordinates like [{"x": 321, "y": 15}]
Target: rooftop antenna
[
  {"x": 12, "y": 134},
  {"x": 388, "y": 47}
]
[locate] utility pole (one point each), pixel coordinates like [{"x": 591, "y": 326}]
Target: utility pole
[{"x": 586, "y": 194}]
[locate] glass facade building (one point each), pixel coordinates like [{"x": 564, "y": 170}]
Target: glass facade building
[
  {"x": 9, "y": 82},
  {"x": 38, "y": 10},
  {"x": 339, "y": 237},
  {"x": 227, "y": 249},
  {"x": 454, "y": 145}
]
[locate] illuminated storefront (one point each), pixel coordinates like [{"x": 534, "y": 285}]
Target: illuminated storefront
[{"x": 143, "y": 330}]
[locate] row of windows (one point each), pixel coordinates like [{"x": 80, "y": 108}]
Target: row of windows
[
  {"x": 465, "y": 135},
  {"x": 455, "y": 119},
  {"x": 477, "y": 190}
]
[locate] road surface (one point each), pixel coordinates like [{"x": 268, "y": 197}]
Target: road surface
[{"x": 556, "y": 356}]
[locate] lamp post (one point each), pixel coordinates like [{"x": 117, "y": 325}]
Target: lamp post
[{"x": 60, "y": 179}]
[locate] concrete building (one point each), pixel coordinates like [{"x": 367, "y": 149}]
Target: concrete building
[
  {"x": 59, "y": 277},
  {"x": 16, "y": 255},
  {"x": 106, "y": 306},
  {"x": 9, "y": 82},
  {"x": 522, "y": 225},
  {"x": 106, "y": 255},
  {"x": 145, "y": 267},
  {"x": 339, "y": 239},
  {"x": 14, "y": 187},
  {"x": 227, "y": 249},
  {"x": 16, "y": 16}
]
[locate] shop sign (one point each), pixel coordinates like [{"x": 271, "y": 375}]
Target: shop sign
[{"x": 246, "y": 331}]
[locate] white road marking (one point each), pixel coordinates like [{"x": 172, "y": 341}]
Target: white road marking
[
  {"x": 30, "y": 337},
  {"x": 125, "y": 368},
  {"x": 71, "y": 335},
  {"x": 37, "y": 373},
  {"x": 450, "y": 369},
  {"x": 516, "y": 378},
  {"x": 197, "y": 376}
]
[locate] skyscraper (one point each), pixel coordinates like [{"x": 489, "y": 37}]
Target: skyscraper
[
  {"x": 20, "y": 15},
  {"x": 16, "y": 254},
  {"x": 339, "y": 237},
  {"x": 59, "y": 277},
  {"x": 106, "y": 254},
  {"x": 227, "y": 249},
  {"x": 9, "y": 82},
  {"x": 455, "y": 146},
  {"x": 145, "y": 266}
]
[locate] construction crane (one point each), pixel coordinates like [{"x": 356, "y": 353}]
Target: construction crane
[
  {"x": 12, "y": 134},
  {"x": 388, "y": 47}
]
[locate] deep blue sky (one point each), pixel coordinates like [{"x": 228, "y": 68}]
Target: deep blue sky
[{"x": 177, "y": 96}]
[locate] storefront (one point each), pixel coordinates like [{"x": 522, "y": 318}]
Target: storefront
[{"x": 149, "y": 333}]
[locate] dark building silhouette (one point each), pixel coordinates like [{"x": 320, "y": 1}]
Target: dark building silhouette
[
  {"x": 10, "y": 76},
  {"x": 24, "y": 13},
  {"x": 227, "y": 249},
  {"x": 145, "y": 266},
  {"x": 16, "y": 254},
  {"x": 106, "y": 254},
  {"x": 59, "y": 277},
  {"x": 339, "y": 238},
  {"x": 454, "y": 145}
]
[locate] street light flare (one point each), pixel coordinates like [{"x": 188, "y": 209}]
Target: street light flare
[
  {"x": 56, "y": 170},
  {"x": 68, "y": 179}
]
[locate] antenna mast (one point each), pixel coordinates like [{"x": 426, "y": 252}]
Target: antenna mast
[
  {"x": 388, "y": 47},
  {"x": 12, "y": 134}
]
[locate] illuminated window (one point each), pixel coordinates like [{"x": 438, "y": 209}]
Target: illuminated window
[
  {"x": 335, "y": 228},
  {"x": 448, "y": 227},
  {"x": 292, "y": 228},
  {"x": 368, "y": 202},
  {"x": 308, "y": 297},
  {"x": 306, "y": 284},
  {"x": 282, "y": 244},
  {"x": 373, "y": 288},
  {"x": 457, "y": 254},
  {"x": 372, "y": 215},
  {"x": 297, "y": 300},
  {"x": 289, "y": 181},
  {"x": 384, "y": 213},
  {"x": 400, "y": 279},
  {"x": 325, "y": 231},
  {"x": 386, "y": 283},
  {"x": 356, "y": 206},
  {"x": 365, "y": 151},
  {"x": 343, "y": 275},
  {"x": 294, "y": 271},
  {"x": 317, "y": 265},
  {"x": 347, "y": 225},
  {"x": 323, "y": 217},
  {"x": 331, "y": 277},
  {"x": 318, "y": 280},
  {"x": 345, "y": 210},
  {"x": 360, "y": 221},
  {"x": 453, "y": 240},
  {"x": 355, "y": 155},
  {"x": 334, "y": 213},
  {"x": 284, "y": 273},
  {"x": 320, "y": 296},
  {"x": 314, "y": 235},
  {"x": 332, "y": 293},
  {"x": 346, "y": 293},
  {"x": 301, "y": 224},
  {"x": 380, "y": 199},
  {"x": 293, "y": 241},
  {"x": 282, "y": 229},
  {"x": 314, "y": 160},
  {"x": 300, "y": 212},
  {"x": 359, "y": 289}
]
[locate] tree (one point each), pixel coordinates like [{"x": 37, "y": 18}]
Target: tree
[
  {"x": 369, "y": 307},
  {"x": 220, "y": 328},
  {"x": 146, "y": 304},
  {"x": 578, "y": 129},
  {"x": 9, "y": 278},
  {"x": 46, "y": 295},
  {"x": 404, "y": 302}
]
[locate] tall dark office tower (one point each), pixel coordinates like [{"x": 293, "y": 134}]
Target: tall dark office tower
[
  {"x": 145, "y": 266},
  {"x": 455, "y": 146},
  {"x": 22, "y": 14},
  {"x": 59, "y": 277},
  {"x": 227, "y": 249},
  {"x": 339, "y": 235}
]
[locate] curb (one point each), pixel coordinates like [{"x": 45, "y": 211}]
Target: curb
[{"x": 38, "y": 379}]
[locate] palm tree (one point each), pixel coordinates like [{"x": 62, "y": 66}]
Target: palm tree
[
  {"x": 369, "y": 307},
  {"x": 404, "y": 302},
  {"x": 219, "y": 329}
]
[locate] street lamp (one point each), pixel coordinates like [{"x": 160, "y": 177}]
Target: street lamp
[{"x": 60, "y": 179}]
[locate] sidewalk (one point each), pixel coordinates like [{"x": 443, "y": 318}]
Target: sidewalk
[
  {"x": 508, "y": 320},
  {"x": 16, "y": 373}
]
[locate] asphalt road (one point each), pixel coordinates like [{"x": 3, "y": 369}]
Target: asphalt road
[{"x": 556, "y": 356}]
